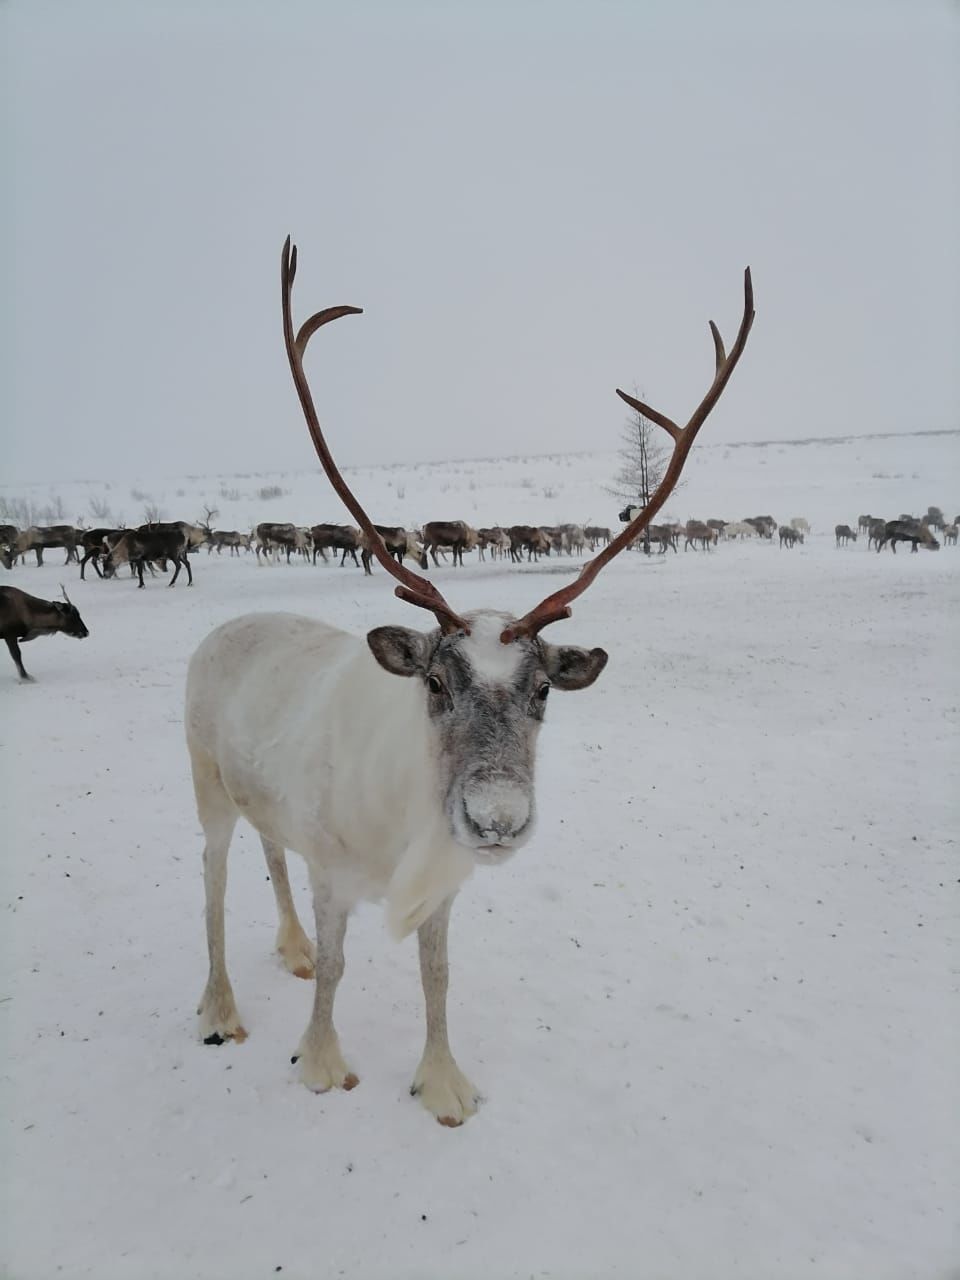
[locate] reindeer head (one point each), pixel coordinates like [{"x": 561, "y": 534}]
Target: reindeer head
[
  {"x": 68, "y": 617},
  {"x": 485, "y": 701}
]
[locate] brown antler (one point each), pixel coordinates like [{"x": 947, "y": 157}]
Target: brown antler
[
  {"x": 414, "y": 589},
  {"x": 557, "y": 606}
]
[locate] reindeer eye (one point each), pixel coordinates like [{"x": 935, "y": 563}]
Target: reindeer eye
[
  {"x": 543, "y": 691},
  {"x": 434, "y": 684}
]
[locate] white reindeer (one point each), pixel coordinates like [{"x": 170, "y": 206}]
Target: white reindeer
[
  {"x": 739, "y": 529},
  {"x": 388, "y": 787}
]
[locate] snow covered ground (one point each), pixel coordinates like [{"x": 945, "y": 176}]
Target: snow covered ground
[{"x": 711, "y": 1006}]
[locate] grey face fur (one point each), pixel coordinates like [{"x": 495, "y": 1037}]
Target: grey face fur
[{"x": 486, "y": 701}]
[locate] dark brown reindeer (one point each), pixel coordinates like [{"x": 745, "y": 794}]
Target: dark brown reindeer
[
  {"x": 41, "y": 538},
  {"x": 455, "y": 534},
  {"x": 272, "y": 538},
  {"x": 595, "y": 536},
  {"x": 94, "y": 545},
  {"x": 289, "y": 721},
  {"x": 875, "y": 531},
  {"x": 150, "y": 543},
  {"x": 665, "y": 535},
  {"x": 399, "y": 542},
  {"x": 697, "y": 533},
  {"x": 24, "y": 617},
  {"x": 529, "y": 538},
  {"x": 8, "y": 537},
  {"x": 844, "y": 534},
  {"x": 913, "y": 531},
  {"x": 335, "y": 537},
  {"x": 765, "y": 526},
  {"x": 492, "y": 539},
  {"x": 194, "y": 535},
  {"x": 232, "y": 538}
]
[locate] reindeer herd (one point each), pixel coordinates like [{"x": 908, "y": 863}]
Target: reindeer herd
[
  {"x": 917, "y": 530},
  {"x": 437, "y": 539},
  {"x": 156, "y": 546}
]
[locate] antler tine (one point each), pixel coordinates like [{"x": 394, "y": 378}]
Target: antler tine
[
  {"x": 557, "y": 606},
  {"x": 654, "y": 415},
  {"x": 718, "y": 345},
  {"x": 414, "y": 589}
]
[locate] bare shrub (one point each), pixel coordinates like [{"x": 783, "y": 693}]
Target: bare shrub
[
  {"x": 270, "y": 491},
  {"x": 230, "y": 495},
  {"x": 18, "y": 511},
  {"x": 152, "y": 513},
  {"x": 139, "y": 496},
  {"x": 24, "y": 512},
  {"x": 99, "y": 508}
]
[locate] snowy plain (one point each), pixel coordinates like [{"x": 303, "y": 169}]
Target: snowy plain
[{"x": 712, "y": 1005}]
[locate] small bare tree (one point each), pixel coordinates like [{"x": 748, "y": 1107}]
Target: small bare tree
[
  {"x": 100, "y": 510},
  {"x": 643, "y": 460}
]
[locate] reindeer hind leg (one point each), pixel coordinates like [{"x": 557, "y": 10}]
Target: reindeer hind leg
[
  {"x": 322, "y": 1065},
  {"x": 296, "y": 950}
]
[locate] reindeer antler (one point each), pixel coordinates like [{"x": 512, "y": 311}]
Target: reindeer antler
[
  {"x": 557, "y": 606},
  {"x": 414, "y": 588}
]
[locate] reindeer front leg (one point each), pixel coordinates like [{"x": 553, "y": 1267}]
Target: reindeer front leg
[
  {"x": 321, "y": 1063},
  {"x": 15, "y": 655},
  {"x": 439, "y": 1083}
]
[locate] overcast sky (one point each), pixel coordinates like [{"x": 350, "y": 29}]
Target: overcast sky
[{"x": 534, "y": 203}]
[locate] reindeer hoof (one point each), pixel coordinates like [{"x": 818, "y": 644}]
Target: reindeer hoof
[
  {"x": 237, "y": 1036},
  {"x": 219, "y": 1020},
  {"x": 445, "y": 1091},
  {"x": 297, "y": 954},
  {"x": 323, "y": 1068}
]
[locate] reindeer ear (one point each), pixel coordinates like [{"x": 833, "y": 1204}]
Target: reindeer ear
[
  {"x": 399, "y": 650},
  {"x": 570, "y": 667}
]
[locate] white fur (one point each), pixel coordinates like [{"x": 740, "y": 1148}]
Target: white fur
[
  {"x": 489, "y": 659},
  {"x": 739, "y": 529},
  {"x": 327, "y": 754}
]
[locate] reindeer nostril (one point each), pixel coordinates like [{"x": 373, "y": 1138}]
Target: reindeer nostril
[{"x": 497, "y": 811}]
